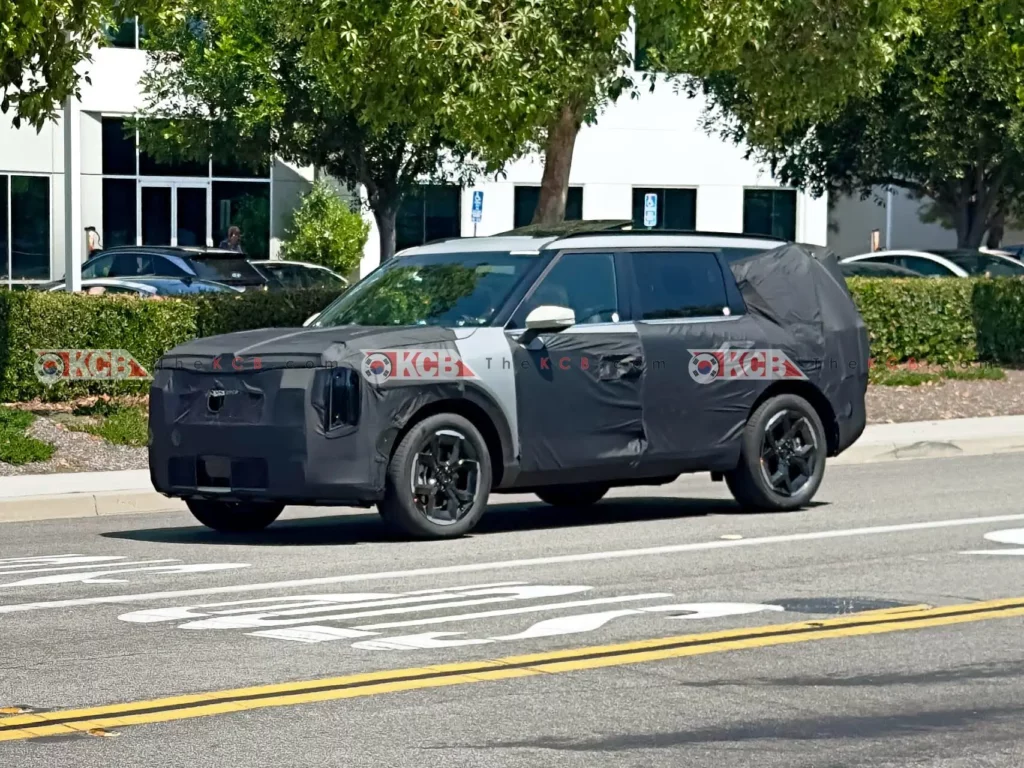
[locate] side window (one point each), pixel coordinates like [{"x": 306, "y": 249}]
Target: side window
[
  {"x": 678, "y": 285},
  {"x": 98, "y": 268},
  {"x": 131, "y": 264},
  {"x": 924, "y": 266},
  {"x": 584, "y": 282},
  {"x": 167, "y": 268}
]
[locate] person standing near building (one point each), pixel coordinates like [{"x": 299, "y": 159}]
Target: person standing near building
[
  {"x": 233, "y": 242},
  {"x": 93, "y": 243}
]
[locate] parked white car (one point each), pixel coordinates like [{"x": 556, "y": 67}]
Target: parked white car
[{"x": 960, "y": 263}]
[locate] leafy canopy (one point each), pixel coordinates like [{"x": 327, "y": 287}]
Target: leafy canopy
[{"x": 44, "y": 43}]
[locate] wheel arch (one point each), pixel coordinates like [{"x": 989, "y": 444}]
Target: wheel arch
[
  {"x": 483, "y": 413},
  {"x": 817, "y": 400}
]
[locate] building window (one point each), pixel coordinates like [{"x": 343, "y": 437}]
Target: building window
[
  {"x": 770, "y": 212},
  {"x": 526, "y": 198},
  {"x": 181, "y": 203},
  {"x": 677, "y": 208},
  {"x": 25, "y": 227},
  {"x": 429, "y": 212},
  {"x": 128, "y": 34}
]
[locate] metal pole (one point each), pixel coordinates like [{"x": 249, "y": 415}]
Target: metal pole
[
  {"x": 73, "y": 233},
  {"x": 888, "y": 219}
]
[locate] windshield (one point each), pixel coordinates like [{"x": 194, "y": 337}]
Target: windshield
[
  {"x": 226, "y": 270},
  {"x": 441, "y": 289},
  {"x": 978, "y": 264}
]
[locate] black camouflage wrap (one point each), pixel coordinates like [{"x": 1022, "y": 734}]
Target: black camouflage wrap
[{"x": 611, "y": 403}]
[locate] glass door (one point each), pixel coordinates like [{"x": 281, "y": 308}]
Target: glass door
[{"x": 174, "y": 213}]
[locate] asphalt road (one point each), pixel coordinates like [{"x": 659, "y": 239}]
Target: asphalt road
[{"x": 780, "y": 664}]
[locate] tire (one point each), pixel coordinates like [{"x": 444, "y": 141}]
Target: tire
[
  {"x": 573, "y": 496},
  {"x": 748, "y": 482},
  {"x": 234, "y": 517},
  {"x": 408, "y": 512}
]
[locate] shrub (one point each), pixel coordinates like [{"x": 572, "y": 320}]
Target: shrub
[
  {"x": 918, "y": 319},
  {"x": 999, "y": 320},
  {"x": 34, "y": 320},
  {"x": 326, "y": 231}
]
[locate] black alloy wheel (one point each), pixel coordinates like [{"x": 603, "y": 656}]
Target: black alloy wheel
[
  {"x": 789, "y": 452},
  {"x": 445, "y": 477}
]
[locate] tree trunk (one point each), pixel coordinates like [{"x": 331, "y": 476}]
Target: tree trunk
[
  {"x": 996, "y": 229},
  {"x": 386, "y": 215},
  {"x": 554, "y": 185}
]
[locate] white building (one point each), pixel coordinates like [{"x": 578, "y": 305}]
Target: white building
[{"x": 653, "y": 144}]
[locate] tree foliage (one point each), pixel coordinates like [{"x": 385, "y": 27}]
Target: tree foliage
[
  {"x": 378, "y": 93},
  {"x": 326, "y": 231},
  {"x": 946, "y": 122},
  {"x": 44, "y": 43}
]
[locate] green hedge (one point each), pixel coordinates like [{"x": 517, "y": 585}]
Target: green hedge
[
  {"x": 33, "y": 320},
  {"x": 939, "y": 321}
]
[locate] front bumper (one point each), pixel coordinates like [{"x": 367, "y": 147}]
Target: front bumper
[{"x": 272, "y": 447}]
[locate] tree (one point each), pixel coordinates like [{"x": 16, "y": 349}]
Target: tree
[
  {"x": 44, "y": 42},
  {"x": 946, "y": 123},
  {"x": 326, "y": 231},
  {"x": 377, "y": 93}
]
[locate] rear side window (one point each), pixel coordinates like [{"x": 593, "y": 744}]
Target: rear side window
[
  {"x": 166, "y": 268},
  {"x": 678, "y": 285},
  {"x": 131, "y": 264},
  {"x": 923, "y": 266},
  {"x": 227, "y": 269}
]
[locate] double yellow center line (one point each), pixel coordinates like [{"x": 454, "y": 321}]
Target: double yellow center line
[{"x": 35, "y": 725}]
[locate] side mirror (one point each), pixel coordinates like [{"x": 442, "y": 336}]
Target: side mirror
[
  {"x": 310, "y": 320},
  {"x": 550, "y": 318}
]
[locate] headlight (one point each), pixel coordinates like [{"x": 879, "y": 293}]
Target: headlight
[{"x": 343, "y": 398}]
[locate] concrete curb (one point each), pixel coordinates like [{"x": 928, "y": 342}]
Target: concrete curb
[{"x": 97, "y": 494}]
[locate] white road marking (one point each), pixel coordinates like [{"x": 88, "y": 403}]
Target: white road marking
[
  {"x": 670, "y": 549},
  {"x": 713, "y": 610},
  {"x": 267, "y": 620},
  {"x": 21, "y": 569},
  {"x": 311, "y": 634},
  {"x": 570, "y": 625},
  {"x": 514, "y": 611},
  {"x": 417, "y": 642},
  {"x": 101, "y": 577},
  {"x": 16, "y": 563},
  {"x": 1010, "y": 536}
]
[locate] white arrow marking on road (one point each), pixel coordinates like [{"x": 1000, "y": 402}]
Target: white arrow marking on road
[
  {"x": 413, "y": 642},
  {"x": 101, "y": 578},
  {"x": 570, "y": 625},
  {"x": 17, "y": 563},
  {"x": 515, "y": 611},
  {"x": 1010, "y": 536},
  {"x": 267, "y": 620},
  {"x": 260, "y": 605},
  {"x": 713, "y": 610},
  {"x": 311, "y": 634}
]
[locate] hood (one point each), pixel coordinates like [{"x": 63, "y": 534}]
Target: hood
[{"x": 298, "y": 347}]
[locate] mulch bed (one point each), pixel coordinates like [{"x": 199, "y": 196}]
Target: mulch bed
[{"x": 947, "y": 399}]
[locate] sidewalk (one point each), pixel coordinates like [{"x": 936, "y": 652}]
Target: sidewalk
[{"x": 91, "y": 494}]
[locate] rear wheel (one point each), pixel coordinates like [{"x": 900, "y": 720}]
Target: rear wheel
[
  {"x": 234, "y": 517},
  {"x": 573, "y": 496},
  {"x": 438, "y": 480},
  {"x": 782, "y": 461}
]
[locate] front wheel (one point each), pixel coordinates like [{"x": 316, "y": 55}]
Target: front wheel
[
  {"x": 438, "y": 480},
  {"x": 573, "y": 496},
  {"x": 234, "y": 517},
  {"x": 782, "y": 460}
]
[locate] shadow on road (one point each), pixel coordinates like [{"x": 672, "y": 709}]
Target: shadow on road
[{"x": 500, "y": 518}]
